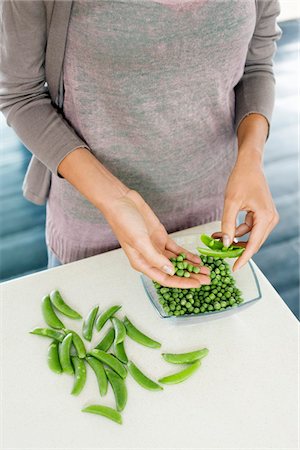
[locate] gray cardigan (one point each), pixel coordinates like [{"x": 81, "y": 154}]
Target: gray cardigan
[{"x": 33, "y": 39}]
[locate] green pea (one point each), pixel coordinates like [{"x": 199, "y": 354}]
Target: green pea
[
  {"x": 110, "y": 360},
  {"x": 186, "y": 274},
  {"x": 180, "y": 273},
  {"x": 142, "y": 379},
  {"x": 77, "y": 342},
  {"x": 217, "y": 305},
  {"x": 138, "y": 336},
  {"x": 119, "y": 387},
  {"x": 53, "y": 358},
  {"x": 180, "y": 265},
  {"x": 80, "y": 375},
  {"x": 105, "y": 411},
  {"x": 49, "y": 315},
  {"x": 62, "y": 307},
  {"x": 88, "y": 324},
  {"x": 107, "y": 341},
  {"x": 182, "y": 375},
  {"x": 196, "y": 269},
  {"x": 103, "y": 318},
  {"x": 185, "y": 264},
  {"x": 190, "y": 267},
  {"x": 64, "y": 354},
  {"x": 98, "y": 368},
  {"x": 185, "y": 358},
  {"x": 120, "y": 352},
  {"x": 180, "y": 258},
  {"x": 48, "y": 332},
  {"x": 120, "y": 330}
]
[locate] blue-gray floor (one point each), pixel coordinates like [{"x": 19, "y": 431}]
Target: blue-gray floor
[{"x": 23, "y": 248}]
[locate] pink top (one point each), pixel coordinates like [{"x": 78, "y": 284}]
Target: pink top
[{"x": 149, "y": 87}]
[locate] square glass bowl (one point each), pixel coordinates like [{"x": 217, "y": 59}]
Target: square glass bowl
[{"x": 246, "y": 281}]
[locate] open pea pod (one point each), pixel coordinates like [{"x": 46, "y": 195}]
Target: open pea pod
[{"x": 234, "y": 253}]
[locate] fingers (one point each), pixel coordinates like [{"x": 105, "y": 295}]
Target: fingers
[
  {"x": 154, "y": 258},
  {"x": 139, "y": 263},
  {"x": 242, "y": 229},
  {"x": 260, "y": 227},
  {"x": 173, "y": 247},
  {"x": 230, "y": 213}
]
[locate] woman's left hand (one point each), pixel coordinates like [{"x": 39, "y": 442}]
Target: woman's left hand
[{"x": 247, "y": 190}]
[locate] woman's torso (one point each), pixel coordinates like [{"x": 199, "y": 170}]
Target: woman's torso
[{"x": 149, "y": 87}]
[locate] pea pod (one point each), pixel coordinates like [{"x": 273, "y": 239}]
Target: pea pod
[
  {"x": 120, "y": 330},
  {"x": 234, "y": 253},
  {"x": 80, "y": 375},
  {"x": 64, "y": 354},
  {"x": 185, "y": 358},
  {"x": 98, "y": 368},
  {"x": 141, "y": 379},
  {"x": 49, "y": 315},
  {"x": 182, "y": 375},
  {"x": 78, "y": 343},
  {"x": 120, "y": 352},
  {"x": 107, "y": 341},
  {"x": 138, "y": 336},
  {"x": 111, "y": 361},
  {"x": 62, "y": 307},
  {"x": 48, "y": 332},
  {"x": 103, "y": 318},
  {"x": 53, "y": 358},
  {"x": 105, "y": 411},
  {"x": 119, "y": 388},
  {"x": 212, "y": 243},
  {"x": 88, "y": 324}
]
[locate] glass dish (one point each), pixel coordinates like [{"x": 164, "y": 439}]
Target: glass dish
[{"x": 246, "y": 281}]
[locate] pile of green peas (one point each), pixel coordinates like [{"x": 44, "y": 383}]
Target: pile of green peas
[
  {"x": 221, "y": 294},
  {"x": 182, "y": 267}
]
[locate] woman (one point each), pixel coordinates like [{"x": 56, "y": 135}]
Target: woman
[{"x": 154, "y": 119}]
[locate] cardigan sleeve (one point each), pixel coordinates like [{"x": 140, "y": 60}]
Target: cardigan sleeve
[
  {"x": 255, "y": 91},
  {"x": 24, "y": 97}
]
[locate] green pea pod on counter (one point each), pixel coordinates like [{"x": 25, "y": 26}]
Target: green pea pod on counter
[
  {"x": 98, "y": 368},
  {"x": 48, "y": 332},
  {"x": 142, "y": 379},
  {"x": 234, "y": 253},
  {"x": 185, "y": 358},
  {"x": 183, "y": 375},
  {"x": 120, "y": 352},
  {"x": 62, "y": 307},
  {"x": 78, "y": 343},
  {"x": 88, "y": 324},
  {"x": 53, "y": 358},
  {"x": 103, "y": 318},
  {"x": 80, "y": 375},
  {"x": 105, "y": 411},
  {"x": 64, "y": 354},
  {"x": 138, "y": 336},
  {"x": 111, "y": 361},
  {"x": 120, "y": 330},
  {"x": 107, "y": 341},
  {"x": 119, "y": 388},
  {"x": 49, "y": 315}
]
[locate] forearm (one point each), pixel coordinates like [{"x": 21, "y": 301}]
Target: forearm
[
  {"x": 83, "y": 170},
  {"x": 252, "y": 133}
]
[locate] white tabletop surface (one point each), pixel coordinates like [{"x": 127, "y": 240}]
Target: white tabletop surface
[{"x": 244, "y": 395}]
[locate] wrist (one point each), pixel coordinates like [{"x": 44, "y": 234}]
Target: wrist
[{"x": 250, "y": 155}]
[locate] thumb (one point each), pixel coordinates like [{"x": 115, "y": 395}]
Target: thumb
[{"x": 229, "y": 222}]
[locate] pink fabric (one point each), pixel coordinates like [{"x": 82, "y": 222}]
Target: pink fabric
[{"x": 149, "y": 87}]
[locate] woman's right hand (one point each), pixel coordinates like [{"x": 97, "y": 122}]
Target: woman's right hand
[
  {"x": 147, "y": 244},
  {"x": 140, "y": 233}
]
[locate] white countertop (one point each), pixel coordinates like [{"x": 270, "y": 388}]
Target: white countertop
[{"x": 244, "y": 395}]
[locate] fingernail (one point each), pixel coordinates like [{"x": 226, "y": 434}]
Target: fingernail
[
  {"x": 226, "y": 240},
  {"x": 168, "y": 269},
  {"x": 235, "y": 240}
]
